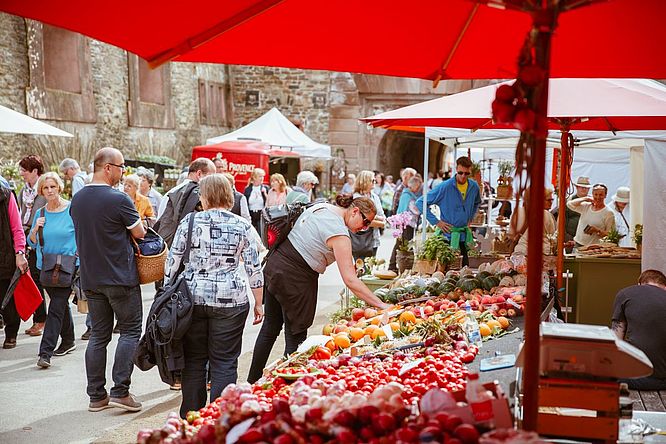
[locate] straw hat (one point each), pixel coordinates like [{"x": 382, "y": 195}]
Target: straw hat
[
  {"x": 621, "y": 195},
  {"x": 583, "y": 181}
]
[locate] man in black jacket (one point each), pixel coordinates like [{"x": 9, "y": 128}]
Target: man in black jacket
[{"x": 184, "y": 201}]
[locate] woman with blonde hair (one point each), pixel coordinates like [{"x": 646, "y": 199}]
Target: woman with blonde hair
[
  {"x": 220, "y": 242},
  {"x": 363, "y": 246},
  {"x": 131, "y": 185},
  {"x": 319, "y": 238},
  {"x": 256, "y": 193},
  {"x": 52, "y": 232},
  {"x": 277, "y": 195}
]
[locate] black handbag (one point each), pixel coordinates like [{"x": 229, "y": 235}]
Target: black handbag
[
  {"x": 362, "y": 243},
  {"x": 57, "y": 269}
]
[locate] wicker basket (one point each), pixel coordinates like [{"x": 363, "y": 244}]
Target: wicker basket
[{"x": 150, "y": 268}]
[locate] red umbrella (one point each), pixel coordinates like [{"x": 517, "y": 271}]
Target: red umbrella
[{"x": 430, "y": 39}]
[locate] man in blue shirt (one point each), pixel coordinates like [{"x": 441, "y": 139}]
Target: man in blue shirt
[
  {"x": 458, "y": 200},
  {"x": 104, "y": 220}
]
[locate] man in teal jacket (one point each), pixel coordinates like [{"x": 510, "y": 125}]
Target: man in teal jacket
[{"x": 458, "y": 199}]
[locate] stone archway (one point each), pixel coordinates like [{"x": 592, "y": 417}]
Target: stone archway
[{"x": 401, "y": 149}]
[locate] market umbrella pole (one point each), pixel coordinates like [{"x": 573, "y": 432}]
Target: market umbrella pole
[
  {"x": 545, "y": 21},
  {"x": 566, "y": 146},
  {"x": 426, "y": 155}
]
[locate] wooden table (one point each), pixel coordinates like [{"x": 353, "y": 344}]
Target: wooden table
[{"x": 644, "y": 400}]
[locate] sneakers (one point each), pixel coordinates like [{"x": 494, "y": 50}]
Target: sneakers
[
  {"x": 44, "y": 362},
  {"x": 9, "y": 343},
  {"x": 97, "y": 406},
  {"x": 86, "y": 336},
  {"x": 64, "y": 349},
  {"x": 175, "y": 386},
  {"x": 128, "y": 403},
  {"x": 36, "y": 329}
]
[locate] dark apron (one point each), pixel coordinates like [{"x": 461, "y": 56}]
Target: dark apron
[{"x": 289, "y": 278}]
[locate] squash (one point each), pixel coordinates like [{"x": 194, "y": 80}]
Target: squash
[
  {"x": 490, "y": 282},
  {"x": 439, "y": 276},
  {"x": 507, "y": 281},
  {"x": 469, "y": 285},
  {"x": 481, "y": 275},
  {"x": 520, "y": 280}
]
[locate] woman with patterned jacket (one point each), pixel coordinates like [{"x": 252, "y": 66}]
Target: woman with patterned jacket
[{"x": 220, "y": 240}]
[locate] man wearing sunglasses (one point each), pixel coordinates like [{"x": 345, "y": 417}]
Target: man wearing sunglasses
[{"x": 458, "y": 200}]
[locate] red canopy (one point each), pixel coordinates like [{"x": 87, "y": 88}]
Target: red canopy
[{"x": 425, "y": 39}]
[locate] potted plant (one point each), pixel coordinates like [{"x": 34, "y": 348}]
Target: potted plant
[
  {"x": 505, "y": 180},
  {"x": 404, "y": 258},
  {"x": 613, "y": 237},
  {"x": 638, "y": 237},
  {"x": 436, "y": 255}
]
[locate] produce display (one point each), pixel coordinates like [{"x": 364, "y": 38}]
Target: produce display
[
  {"x": 397, "y": 375},
  {"x": 608, "y": 250}
]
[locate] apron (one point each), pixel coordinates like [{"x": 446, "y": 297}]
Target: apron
[{"x": 289, "y": 278}]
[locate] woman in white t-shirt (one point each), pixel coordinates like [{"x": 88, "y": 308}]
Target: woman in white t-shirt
[
  {"x": 256, "y": 193},
  {"x": 596, "y": 219},
  {"x": 319, "y": 237},
  {"x": 518, "y": 228}
]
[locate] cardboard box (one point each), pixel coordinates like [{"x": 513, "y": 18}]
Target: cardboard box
[{"x": 501, "y": 410}]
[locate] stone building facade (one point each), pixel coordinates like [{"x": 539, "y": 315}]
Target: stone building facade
[{"x": 108, "y": 97}]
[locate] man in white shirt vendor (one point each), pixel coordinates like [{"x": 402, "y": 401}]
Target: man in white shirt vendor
[
  {"x": 596, "y": 219},
  {"x": 620, "y": 208}
]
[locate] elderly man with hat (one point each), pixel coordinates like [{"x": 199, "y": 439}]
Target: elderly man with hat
[
  {"x": 583, "y": 186},
  {"x": 620, "y": 208},
  {"x": 302, "y": 192}
]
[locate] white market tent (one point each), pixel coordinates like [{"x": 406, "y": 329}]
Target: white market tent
[
  {"x": 276, "y": 130},
  {"x": 18, "y": 123},
  {"x": 615, "y": 160}
]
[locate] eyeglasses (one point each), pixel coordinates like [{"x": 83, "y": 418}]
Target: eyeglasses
[
  {"x": 366, "y": 221},
  {"x": 121, "y": 166},
  {"x": 463, "y": 173}
]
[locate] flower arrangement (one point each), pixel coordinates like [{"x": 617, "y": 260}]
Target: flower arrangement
[{"x": 399, "y": 222}]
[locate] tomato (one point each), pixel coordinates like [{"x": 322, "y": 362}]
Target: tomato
[{"x": 321, "y": 354}]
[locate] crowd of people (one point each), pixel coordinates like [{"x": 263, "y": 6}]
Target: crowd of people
[{"x": 212, "y": 231}]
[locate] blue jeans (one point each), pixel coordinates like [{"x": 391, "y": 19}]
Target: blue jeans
[
  {"x": 215, "y": 337},
  {"x": 58, "y": 321},
  {"x": 103, "y": 304}
]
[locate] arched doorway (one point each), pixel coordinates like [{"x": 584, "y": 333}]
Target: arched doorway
[{"x": 402, "y": 149}]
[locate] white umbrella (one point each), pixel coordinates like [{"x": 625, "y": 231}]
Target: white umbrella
[{"x": 14, "y": 122}]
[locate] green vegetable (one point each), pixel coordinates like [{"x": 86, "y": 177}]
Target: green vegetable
[
  {"x": 436, "y": 248},
  {"x": 490, "y": 282}
]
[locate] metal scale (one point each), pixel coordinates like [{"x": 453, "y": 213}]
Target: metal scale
[{"x": 579, "y": 391}]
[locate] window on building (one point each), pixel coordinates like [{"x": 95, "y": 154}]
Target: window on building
[
  {"x": 149, "y": 105},
  {"x": 213, "y": 103},
  {"x": 60, "y": 75}
]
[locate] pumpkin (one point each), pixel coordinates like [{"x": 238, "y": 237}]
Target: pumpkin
[{"x": 490, "y": 282}]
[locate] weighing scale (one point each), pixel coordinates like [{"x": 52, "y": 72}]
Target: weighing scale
[{"x": 579, "y": 392}]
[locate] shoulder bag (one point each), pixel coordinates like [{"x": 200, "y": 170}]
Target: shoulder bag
[{"x": 57, "y": 269}]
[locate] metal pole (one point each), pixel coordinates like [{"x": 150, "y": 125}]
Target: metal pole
[
  {"x": 561, "y": 202},
  {"x": 426, "y": 154},
  {"x": 535, "y": 220}
]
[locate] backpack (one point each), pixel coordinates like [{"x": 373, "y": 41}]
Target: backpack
[
  {"x": 277, "y": 222},
  {"x": 169, "y": 318}
]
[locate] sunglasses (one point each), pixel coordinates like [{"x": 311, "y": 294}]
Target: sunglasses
[
  {"x": 121, "y": 166},
  {"x": 463, "y": 173},
  {"x": 366, "y": 221}
]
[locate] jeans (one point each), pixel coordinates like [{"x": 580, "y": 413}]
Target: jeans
[
  {"x": 40, "y": 313},
  {"x": 215, "y": 338},
  {"x": 58, "y": 321},
  {"x": 270, "y": 330},
  {"x": 11, "y": 317},
  {"x": 103, "y": 304}
]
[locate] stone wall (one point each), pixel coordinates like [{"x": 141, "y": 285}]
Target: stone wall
[{"x": 111, "y": 90}]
